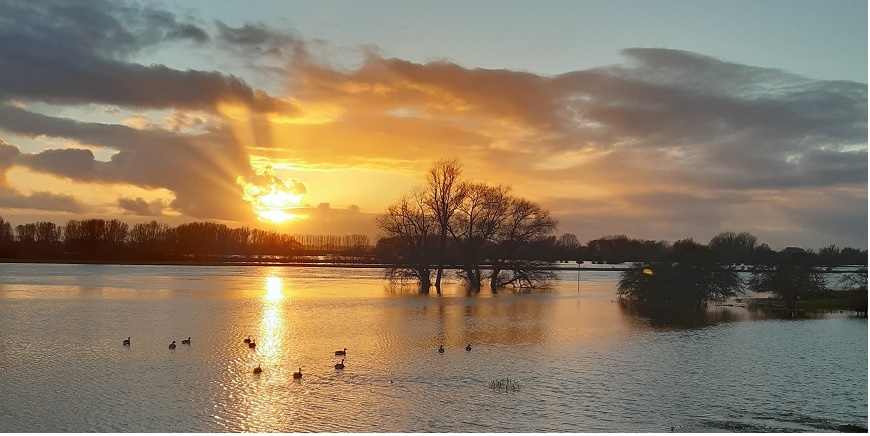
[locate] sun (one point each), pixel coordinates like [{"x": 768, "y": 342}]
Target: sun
[{"x": 272, "y": 197}]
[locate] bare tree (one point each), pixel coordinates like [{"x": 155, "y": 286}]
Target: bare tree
[
  {"x": 409, "y": 227},
  {"x": 445, "y": 194},
  {"x": 524, "y": 223},
  {"x": 475, "y": 225},
  {"x": 487, "y": 225}
]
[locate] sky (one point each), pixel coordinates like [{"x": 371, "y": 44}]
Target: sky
[{"x": 659, "y": 120}]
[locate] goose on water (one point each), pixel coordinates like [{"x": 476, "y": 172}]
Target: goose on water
[
  {"x": 258, "y": 370},
  {"x": 186, "y": 341},
  {"x": 298, "y": 374},
  {"x": 252, "y": 344},
  {"x": 172, "y": 345},
  {"x": 468, "y": 347},
  {"x": 248, "y": 340},
  {"x": 341, "y": 352},
  {"x": 440, "y": 348},
  {"x": 340, "y": 365},
  {"x": 127, "y": 341}
]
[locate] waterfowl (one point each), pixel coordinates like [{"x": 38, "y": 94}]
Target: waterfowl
[
  {"x": 468, "y": 347},
  {"x": 252, "y": 344},
  {"x": 258, "y": 370},
  {"x": 186, "y": 341},
  {"x": 172, "y": 345},
  {"x": 298, "y": 374},
  {"x": 127, "y": 341},
  {"x": 440, "y": 348},
  {"x": 341, "y": 352},
  {"x": 340, "y": 365},
  {"x": 248, "y": 340}
]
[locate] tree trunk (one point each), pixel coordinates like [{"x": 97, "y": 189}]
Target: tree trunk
[
  {"x": 439, "y": 273},
  {"x": 472, "y": 274},
  {"x": 493, "y": 281},
  {"x": 425, "y": 281}
]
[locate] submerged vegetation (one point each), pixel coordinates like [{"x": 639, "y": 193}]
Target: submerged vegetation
[
  {"x": 694, "y": 280},
  {"x": 796, "y": 286},
  {"x": 505, "y": 385}
]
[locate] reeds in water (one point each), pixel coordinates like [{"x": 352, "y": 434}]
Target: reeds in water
[{"x": 505, "y": 384}]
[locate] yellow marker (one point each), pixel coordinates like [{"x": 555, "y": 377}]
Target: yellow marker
[{"x": 647, "y": 271}]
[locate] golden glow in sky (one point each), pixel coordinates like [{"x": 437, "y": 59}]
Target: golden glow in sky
[{"x": 273, "y": 198}]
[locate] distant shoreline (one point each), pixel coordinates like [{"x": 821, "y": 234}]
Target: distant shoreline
[
  {"x": 302, "y": 263},
  {"x": 334, "y": 264}
]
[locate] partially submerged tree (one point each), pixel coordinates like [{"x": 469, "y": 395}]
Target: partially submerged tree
[
  {"x": 791, "y": 279},
  {"x": 693, "y": 281},
  {"x": 411, "y": 230},
  {"x": 524, "y": 223},
  {"x": 445, "y": 193},
  {"x": 487, "y": 228},
  {"x": 475, "y": 225},
  {"x": 856, "y": 286}
]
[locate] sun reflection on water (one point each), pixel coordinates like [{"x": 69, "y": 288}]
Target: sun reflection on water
[
  {"x": 274, "y": 287},
  {"x": 272, "y": 323},
  {"x": 262, "y": 407}
]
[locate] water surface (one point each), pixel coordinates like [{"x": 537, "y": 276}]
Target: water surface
[{"x": 583, "y": 363}]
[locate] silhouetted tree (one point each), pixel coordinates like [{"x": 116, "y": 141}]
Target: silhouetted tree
[
  {"x": 730, "y": 247},
  {"x": 524, "y": 223},
  {"x": 475, "y": 226},
  {"x": 620, "y": 248},
  {"x": 685, "y": 250},
  {"x": 690, "y": 283},
  {"x": 610, "y": 249},
  {"x": 444, "y": 194},
  {"x": 794, "y": 277},
  {"x": 567, "y": 247},
  {"x": 411, "y": 230},
  {"x": 856, "y": 286},
  {"x": 7, "y": 238}
]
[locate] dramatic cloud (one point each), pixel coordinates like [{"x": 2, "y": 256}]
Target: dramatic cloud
[
  {"x": 72, "y": 53},
  {"x": 668, "y": 109},
  {"x": 670, "y": 132},
  {"x": 197, "y": 168}
]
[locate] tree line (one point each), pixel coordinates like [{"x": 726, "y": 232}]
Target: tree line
[
  {"x": 726, "y": 248},
  {"x": 99, "y": 238},
  {"x": 113, "y": 240}
]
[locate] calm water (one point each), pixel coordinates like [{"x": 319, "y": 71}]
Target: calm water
[{"x": 583, "y": 364}]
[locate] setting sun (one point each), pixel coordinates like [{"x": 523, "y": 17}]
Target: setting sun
[{"x": 273, "y": 197}]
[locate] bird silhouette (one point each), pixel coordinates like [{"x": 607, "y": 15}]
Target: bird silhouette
[
  {"x": 252, "y": 344},
  {"x": 468, "y": 347},
  {"x": 440, "y": 348},
  {"x": 258, "y": 370},
  {"x": 340, "y": 365},
  {"x": 127, "y": 341},
  {"x": 248, "y": 340},
  {"x": 341, "y": 352},
  {"x": 298, "y": 374},
  {"x": 186, "y": 341},
  {"x": 172, "y": 345}
]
